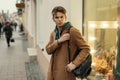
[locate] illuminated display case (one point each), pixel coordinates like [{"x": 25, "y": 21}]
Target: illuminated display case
[
  {"x": 100, "y": 30},
  {"x": 102, "y": 38}
]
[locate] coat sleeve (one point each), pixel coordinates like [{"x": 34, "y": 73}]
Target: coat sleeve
[
  {"x": 52, "y": 45},
  {"x": 81, "y": 44}
]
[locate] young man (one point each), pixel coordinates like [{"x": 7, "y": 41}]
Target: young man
[{"x": 60, "y": 68}]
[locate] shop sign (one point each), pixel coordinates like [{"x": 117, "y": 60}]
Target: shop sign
[{"x": 20, "y": 5}]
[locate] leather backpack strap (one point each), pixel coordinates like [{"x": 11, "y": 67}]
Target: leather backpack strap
[{"x": 69, "y": 57}]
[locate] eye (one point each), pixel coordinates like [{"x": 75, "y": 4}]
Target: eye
[
  {"x": 61, "y": 17},
  {"x": 56, "y": 17}
]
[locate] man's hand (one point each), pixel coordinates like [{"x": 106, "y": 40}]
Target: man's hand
[
  {"x": 64, "y": 38},
  {"x": 70, "y": 67}
]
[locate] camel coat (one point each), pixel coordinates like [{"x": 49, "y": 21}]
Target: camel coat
[{"x": 59, "y": 59}]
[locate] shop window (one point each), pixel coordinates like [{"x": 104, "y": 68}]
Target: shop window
[
  {"x": 100, "y": 30},
  {"x": 102, "y": 37}
]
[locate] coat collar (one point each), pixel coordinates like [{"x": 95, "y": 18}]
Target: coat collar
[{"x": 67, "y": 25}]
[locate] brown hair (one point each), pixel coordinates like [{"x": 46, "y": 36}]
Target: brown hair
[
  {"x": 7, "y": 23},
  {"x": 58, "y": 9}
]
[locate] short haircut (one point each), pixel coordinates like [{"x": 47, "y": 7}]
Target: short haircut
[
  {"x": 58, "y": 9},
  {"x": 7, "y": 23}
]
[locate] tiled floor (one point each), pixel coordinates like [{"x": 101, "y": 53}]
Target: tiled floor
[{"x": 13, "y": 58}]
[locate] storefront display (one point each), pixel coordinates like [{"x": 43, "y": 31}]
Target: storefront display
[
  {"x": 100, "y": 30},
  {"x": 102, "y": 38}
]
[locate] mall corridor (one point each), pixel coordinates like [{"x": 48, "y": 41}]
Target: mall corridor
[{"x": 13, "y": 59}]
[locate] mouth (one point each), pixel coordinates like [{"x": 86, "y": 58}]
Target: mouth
[{"x": 60, "y": 24}]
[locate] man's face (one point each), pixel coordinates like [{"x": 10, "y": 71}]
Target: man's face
[
  {"x": 59, "y": 18},
  {"x": 8, "y": 24}
]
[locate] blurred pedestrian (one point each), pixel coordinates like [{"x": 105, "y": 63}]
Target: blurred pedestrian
[
  {"x": 21, "y": 28},
  {"x": 0, "y": 29},
  {"x": 8, "y": 32},
  {"x": 15, "y": 25}
]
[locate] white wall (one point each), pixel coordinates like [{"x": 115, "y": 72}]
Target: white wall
[
  {"x": 40, "y": 18},
  {"x": 26, "y": 15},
  {"x": 28, "y": 10},
  {"x": 33, "y": 12},
  {"x": 76, "y": 13}
]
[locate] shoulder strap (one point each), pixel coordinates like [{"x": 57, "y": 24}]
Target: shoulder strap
[{"x": 69, "y": 57}]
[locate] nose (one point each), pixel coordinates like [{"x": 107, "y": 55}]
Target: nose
[{"x": 59, "y": 18}]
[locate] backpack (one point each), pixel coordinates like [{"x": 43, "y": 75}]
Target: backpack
[{"x": 84, "y": 69}]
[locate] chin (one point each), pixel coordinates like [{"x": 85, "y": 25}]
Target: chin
[{"x": 60, "y": 25}]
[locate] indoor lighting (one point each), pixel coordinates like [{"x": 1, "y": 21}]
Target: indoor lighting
[
  {"x": 92, "y": 25},
  {"x": 93, "y": 63},
  {"x": 91, "y": 38},
  {"x": 93, "y": 51},
  {"x": 105, "y": 25},
  {"x": 116, "y": 25}
]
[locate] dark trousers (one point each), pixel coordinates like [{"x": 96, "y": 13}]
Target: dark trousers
[{"x": 8, "y": 40}]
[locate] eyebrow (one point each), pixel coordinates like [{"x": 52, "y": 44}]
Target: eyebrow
[{"x": 59, "y": 17}]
